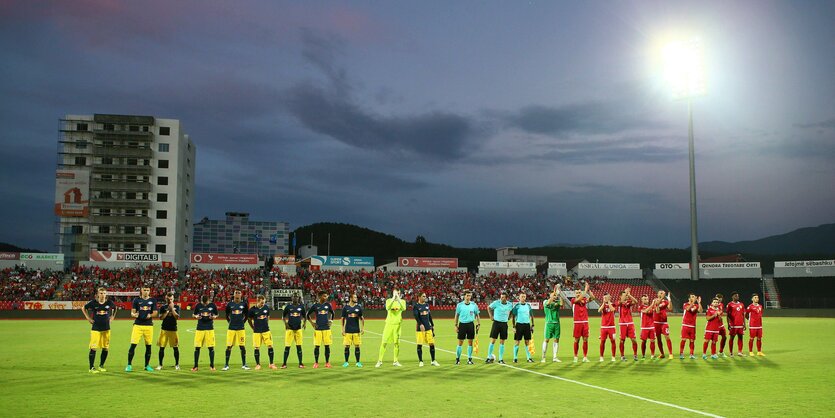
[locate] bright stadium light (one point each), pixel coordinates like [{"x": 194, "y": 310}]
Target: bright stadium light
[{"x": 683, "y": 72}]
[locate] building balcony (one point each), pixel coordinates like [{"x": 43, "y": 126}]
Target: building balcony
[
  {"x": 119, "y": 238},
  {"x": 123, "y": 133},
  {"x": 108, "y": 203},
  {"x": 121, "y": 220},
  {"x": 131, "y": 152},
  {"x": 144, "y": 170},
  {"x": 120, "y": 186}
]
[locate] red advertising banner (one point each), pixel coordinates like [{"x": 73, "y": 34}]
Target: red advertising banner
[
  {"x": 210, "y": 258},
  {"x": 9, "y": 256},
  {"x": 284, "y": 260},
  {"x": 428, "y": 262}
]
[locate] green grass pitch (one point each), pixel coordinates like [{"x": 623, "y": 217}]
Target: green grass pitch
[{"x": 43, "y": 370}]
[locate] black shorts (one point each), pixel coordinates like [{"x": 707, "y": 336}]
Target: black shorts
[
  {"x": 499, "y": 330},
  {"x": 523, "y": 332},
  {"x": 466, "y": 331}
]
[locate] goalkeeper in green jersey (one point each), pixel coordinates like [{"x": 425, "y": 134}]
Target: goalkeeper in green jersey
[
  {"x": 391, "y": 333},
  {"x": 552, "y": 323}
]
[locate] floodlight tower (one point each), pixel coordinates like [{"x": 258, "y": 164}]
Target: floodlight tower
[{"x": 684, "y": 74}]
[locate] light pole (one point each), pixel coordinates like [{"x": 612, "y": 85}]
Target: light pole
[{"x": 684, "y": 72}]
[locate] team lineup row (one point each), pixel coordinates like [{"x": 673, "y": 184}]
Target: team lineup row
[{"x": 100, "y": 312}]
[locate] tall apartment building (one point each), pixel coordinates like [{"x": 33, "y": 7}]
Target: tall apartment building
[
  {"x": 124, "y": 183},
  {"x": 238, "y": 235}
]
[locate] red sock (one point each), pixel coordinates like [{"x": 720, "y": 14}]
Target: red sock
[
  {"x": 750, "y": 344},
  {"x": 704, "y": 348},
  {"x": 713, "y": 347},
  {"x": 613, "y": 347},
  {"x": 602, "y": 346},
  {"x": 622, "y": 342},
  {"x": 576, "y": 347},
  {"x": 652, "y": 347},
  {"x": 660, "y": 345},
  {"x": 759, "y": 344},
  {"x": 643, "y": 347},
  {"x": 635, "y": 347},
  {"x": 669, "y": 346},
  {"x": 722, "y": 340},
  {"x": 739, "y": 344},
  {"x": 692, "y": 347},
  {"x": 681, "y": 347},
  {"x": 585, "y": 348}
]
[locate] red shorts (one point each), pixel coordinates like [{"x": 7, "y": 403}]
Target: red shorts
[
  {"x": 607, "y": 333},
  {"x": 647, "y": 334},
  {"x": 581, "y": 330},
  {"x": 711, "y": 336},
  {"x": 688, "y": 333},
  {"x": 722, "y": 331},
  {"x": 662, "y": 329},
  {"x": 627, "y": 330},
  {"x": 737, "y": 331},
  {"x": 755, "y": 333}
]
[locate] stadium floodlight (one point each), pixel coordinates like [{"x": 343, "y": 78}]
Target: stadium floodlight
[{"x": 683, "y": 70}]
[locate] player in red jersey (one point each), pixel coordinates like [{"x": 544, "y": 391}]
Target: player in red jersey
[
  {"x": 723, "y": 332},
  {"x": 659, "y": 319},
  {"x": 647, "y": 309},
  {"x": 607, "y": 325},
  {"x": 754, "y": 313},
  {"x": 714, "y": 319},
  {"x": 581, "y": 321},
  {"x": 691, "y": 309},
  {"x": 735, "y": 312},
  {"x": 626, "y": 324}
]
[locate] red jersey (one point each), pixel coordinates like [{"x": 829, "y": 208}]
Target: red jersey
[
  {"x": 607, "y": 318},
  {"x": 713, "y": 324},
  {"x": 736, "y": 313},
  {"x": 688, "y": 319},
  {"x": 646, "y": 318},
  {"x": 661, "y": 315},
  {"x": 581, "y": 311},
  {"x": 721, "y": 312},
  {"x": 755, "y": 316},
  {"x": 625, "y": 312}
]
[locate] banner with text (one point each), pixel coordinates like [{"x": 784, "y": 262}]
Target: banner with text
[
  {"x": 124, "y": 257},
  {"x": 72, "y": 193},
  {"x": 557, "y": 269},
  {"x": 804, "y": 268},
  {"x": 41, "y": 257},
  {"x": 344, "y": 261},
  {"x": 428, "y": 262},
  {"x": 53, "y": 305},
  {"x": 212, "y": 258},
  {"x": 610, "y": 270},
  {"x": 284, "y": 260}
]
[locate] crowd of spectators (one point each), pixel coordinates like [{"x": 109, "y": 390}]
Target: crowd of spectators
[
  {"x": 372, "y": 287},
  {"x": 20, "y": 284},
  {"x": 84, "y": 281}
]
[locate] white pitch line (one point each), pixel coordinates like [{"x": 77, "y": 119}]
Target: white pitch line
[{"x": 576, "y": 382}]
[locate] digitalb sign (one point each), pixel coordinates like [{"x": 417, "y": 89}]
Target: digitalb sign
[{"x": 125, "y": 257}]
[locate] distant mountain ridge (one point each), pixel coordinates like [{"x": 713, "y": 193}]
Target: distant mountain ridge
[
  {"x": 812, "y": 240},
  {"x": 6, "y": 247}
]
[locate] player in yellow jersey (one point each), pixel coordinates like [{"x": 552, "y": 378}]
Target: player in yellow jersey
[{"x": 391, "y": 333}]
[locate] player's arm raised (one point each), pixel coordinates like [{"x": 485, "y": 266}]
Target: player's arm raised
[
  {"x": 629, "y": 294},
  {"x": 699, "y": 300},
  {"x": 174, "y": 311},
  {"x": 589, "y": 292}
]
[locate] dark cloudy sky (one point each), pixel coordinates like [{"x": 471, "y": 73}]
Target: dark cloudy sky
[{"x": 470, "y": 122}]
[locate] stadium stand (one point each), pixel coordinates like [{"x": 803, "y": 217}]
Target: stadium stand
[
  {"x": 19, "y": 284},
  {"x": 807, "y": 292}
]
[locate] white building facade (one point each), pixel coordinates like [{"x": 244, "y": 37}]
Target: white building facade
[{"x": 124, "y": 184}]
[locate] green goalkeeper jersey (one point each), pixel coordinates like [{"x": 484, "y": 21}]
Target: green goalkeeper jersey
[
  {"x": 395, "y": 310},
  {"x": 552, "y": 311}
]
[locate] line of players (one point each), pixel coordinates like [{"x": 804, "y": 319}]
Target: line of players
[
  {"x": 654, "y": 327},
  {"x": 100, "y": 312}
]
